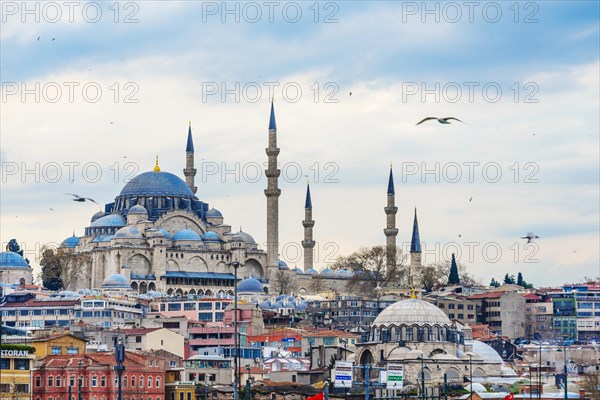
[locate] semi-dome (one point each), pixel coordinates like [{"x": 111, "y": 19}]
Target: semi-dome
[
  {"x": 166, "y": 233},
  {"x": 485, "y": 352},
  {"x": 11, "y": 259},
  {"x": 97, "y": 215},
  {"x": 157, "y": 183},
  {"x": 282, "y": 265},
  {"x": 70, "y": 242},
  {"x": 186, "y": 234},
  {"x": 115, "y": 281},
  {"x": 138, "y": 209},
  {"x": 211, "y": 236},
  {"x": 214, "y": 213},
  {"x": 410, "y": 312},
  {"x": 129, "y": 233},
  {"x": 250, "y": 285},
  {"x": 109, "y": 220}
]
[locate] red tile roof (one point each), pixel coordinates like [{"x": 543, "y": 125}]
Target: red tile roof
[{"x": 488, "y": 295}]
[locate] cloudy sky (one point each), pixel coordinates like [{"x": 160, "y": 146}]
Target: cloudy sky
[{"x": 92, "y": 92}]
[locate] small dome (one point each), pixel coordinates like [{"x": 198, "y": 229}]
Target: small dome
[
  {"x": 186, "y": 234},
  {"x": 11, "y": 259},
  {"x": 246, "y": 237},
  {"x": 265, "y": 305},
  {"x": 412, "y": 311},
  {"x": 344, "y": 273},
  {"x": 99, "y": 214},
  {"x": 298, "y": 270},
  {"x": 214, "y": 213},
  {"x": 137, "y": 209},
  {"x": 129, "y": 233},
  {"x": 70, "y": 242},
  {"x": 250, "y": 285},
  {"x": 115, "y": 281},
  {"x": 282, "y": 265},
  {"x": 327, "y": 271},
  {"x": 311, "y": 271},
  {"x": 211, "y": 236},
  {"x": 109, "y": 220}
]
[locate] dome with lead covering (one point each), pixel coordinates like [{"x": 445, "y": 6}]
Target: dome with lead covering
[
  {"x": 186, "y": 234},
  {"x": 129, "y": 233},
  {"x": 412, "y": 312},
  {"x": 137, "y": 209},
  {"x": 115, "y": 281},
  {"x": 70, "y": 242},
  {"x": 153, "y": 183},
  {"x": 98, "y": 215},
  {"x": 9, "y": 259},
  {"x": 109, "y": 220},
  {"x": 214, "y": 213},
  {"x": 211, "y": 236},
  {"x": 282, "y": 265},
  {"x": 250, "y": 285}
]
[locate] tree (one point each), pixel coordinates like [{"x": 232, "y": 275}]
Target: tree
[
  {"x": 437, "y": 274},
  {"x": 453, "y": 279},
  {"x": 371, "y": 270},
  {"x": 520, "y": 279},
  {"x": 283, "y": 282},
  {"x": 494, "y": 283},
  {"x": 509, "y": 280},
  {"x": 591, "y": 385},
  {"x": 317, "y": 284},
  {"x": 61, "y": 267}
]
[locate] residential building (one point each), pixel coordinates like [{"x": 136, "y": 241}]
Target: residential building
[
  {"x": 539, "y": 311},
  {"x": 503, "y": 311},
  {"x": 16, "y": 362},
  {"x": 23, "y": 310}
]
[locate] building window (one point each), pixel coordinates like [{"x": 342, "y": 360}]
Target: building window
[
  {"x": 149, "y": 381},
  {"x": 22, "y": 388},
  {"x": 72, "y": 350},
  {"x": 58, "y": 382},
  {"x": 22, "y": 365},
  {"x": 71, "y": 382},
  {"x": 4, "y": 388},
  {"x": 55, "y": 350},
  {"x": 133, "y": 381},
  {"x": 189, "y": 396},
  {"x": 157, "y": 381},
  {"x": 4, "y": 363},
  {"x": 50, "y": 381},
  {"x": 38, "y": 381},
  {"x": 451, "y": 306},
  {"x": 141, "y": 381},
  {"x": 103, "y": 381},
  {"x": 94, "y": 381},
  {"x": 138, "y": 339}
]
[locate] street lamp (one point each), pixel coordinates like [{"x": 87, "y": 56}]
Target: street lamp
[
  {"x": 237, "y": 249},
  {"x": 79, "y": 381},
  {"x": 564, "y": 350},
  {"x": 421, "y": 357},
  {"x": 471, "y": 371}
]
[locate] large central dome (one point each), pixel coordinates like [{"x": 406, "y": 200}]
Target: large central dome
[
  {"x": 412, "y": 312},
  {"x": 153, "y": 183}
]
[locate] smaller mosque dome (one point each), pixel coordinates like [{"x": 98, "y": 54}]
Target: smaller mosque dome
[
  {"x": 98, "y": 215},
  {"x": 214, "y": 213},
  {"x": 246, "y": 237},
  {"x": 129, "y": 233},
  {"x": 282, "y": 265},
  {"x": 186, "y": 234},
  {"x": 10, "y": 259},
  {"x": 298, "y": 270},
  {"x": 485, "y": 352},
  {"x": 109, "y": 220},
  {"x": 311, "y": 271},
  {"x": 211, "y": 236},
  {"x": 137, "y": 209},
  {"x": 250, "y": 285},
  {"x": 265, "y": 305},
  {"x": 107, "y": 239},
  {"x": 70, "y": 242},
  {"x": 344, "y": 273},
  {"x": 327, "y": 271},
  {"x": 115, "y": 281},
  {"x": 166, "y": 233}
]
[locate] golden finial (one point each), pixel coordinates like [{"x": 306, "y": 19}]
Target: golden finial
[
  {"x": 415, "y": 210},
  {"x": 156, "y": 167},
  {"x": 190, "y": 121},
  {"x": 272, "y": 98},
  {"x": 390, "y": 164},
  {"x": 412, "y": 293}
]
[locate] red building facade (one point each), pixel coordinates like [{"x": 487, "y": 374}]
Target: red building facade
[{"x": 143, "y": 379}]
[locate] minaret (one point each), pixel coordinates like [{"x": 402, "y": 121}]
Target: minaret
[
  {"x": 272, "y": 192},
  {"x": 308, "y": 243},
  {"x": 190, "y": 171},
  {"x": 415, "y": 259},
  {"x": 390, "y": 231}
]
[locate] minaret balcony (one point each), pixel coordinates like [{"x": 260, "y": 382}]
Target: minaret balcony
[
  {"x": 272, "y": 192},
  {"x": 272, "y": 173},
  {"x": 308, "y": 223},
  {"x": 308, "y": 244},
  {"x": 272, "y": 152},
  {"x": 390, "y": 209},
  {"x": 390, "y": 231}
]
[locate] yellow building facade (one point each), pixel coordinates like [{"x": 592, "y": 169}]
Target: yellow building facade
[
  {"x": 58, "y": 344},
  {"x": 16, "y": 362}
]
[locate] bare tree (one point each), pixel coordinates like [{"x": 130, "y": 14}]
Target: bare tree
[
  {"x": 283, "y": 283},
  {"x": 437, "y": 274},
  {"x": 370, "y": 269},
  {"x": 317, "y": 284},
  {"x": 61, "y": 267},
  {"x": 591, "y": 384}
]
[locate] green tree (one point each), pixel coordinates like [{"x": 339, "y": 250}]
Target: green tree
[
  {"x": 509, "y": 280},
  {"x": 494, "y": 283},
  {"x": 520, "y": 279},
  {"x": 453, "y": 279}
]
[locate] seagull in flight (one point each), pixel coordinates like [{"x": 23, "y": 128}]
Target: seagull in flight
[
  {"x": 444, "y": 120},
  {"x": 81, "y": 199},
  {"x": 530, "y": 236}
]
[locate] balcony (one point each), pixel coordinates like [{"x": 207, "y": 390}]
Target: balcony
[
  {"x": 212, "y": 342},
  {"x": 214, "y": 330}
]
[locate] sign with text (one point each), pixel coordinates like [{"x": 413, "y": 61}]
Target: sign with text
[
  {"x": 343, "y": 374},
  {"x": 395, "y": 376}
]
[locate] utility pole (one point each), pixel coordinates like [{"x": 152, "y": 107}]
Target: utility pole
[{"x": 119, "y": 368}]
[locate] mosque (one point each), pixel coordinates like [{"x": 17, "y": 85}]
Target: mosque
[{"x": 161, "y": 237}]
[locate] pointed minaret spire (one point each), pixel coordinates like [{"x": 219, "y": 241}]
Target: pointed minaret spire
[
  {"x": 415, "y": 258},
  {"x": 308, "y": 243},
  {"x": 272, "y": 192},
  {"x": 390, "y": 231},
  {"x": 189, "y": 171},
  {"x": 156, "y": 167}
]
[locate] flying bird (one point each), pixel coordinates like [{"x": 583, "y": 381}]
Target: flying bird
[
  {"x": 81, "y": 199},
  {"x": 441, "y": 120},
  {"x": 350, "y": 93},
  {"x": 530, "y": 236},
  {"x": 52, "y": 209},
  {"x": 470, "y": 199},
  {"x": 39, "y": 38}
]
